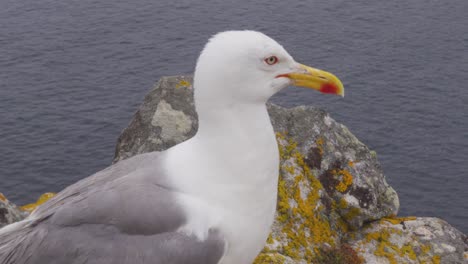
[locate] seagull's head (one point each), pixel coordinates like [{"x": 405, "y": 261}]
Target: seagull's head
[{"x": 249, "y": 67}]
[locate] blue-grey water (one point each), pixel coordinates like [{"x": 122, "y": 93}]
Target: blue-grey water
[{"x": 72, "y": 73}]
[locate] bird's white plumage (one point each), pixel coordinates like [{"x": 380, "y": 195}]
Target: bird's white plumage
[{"x": 228, "y": 172}]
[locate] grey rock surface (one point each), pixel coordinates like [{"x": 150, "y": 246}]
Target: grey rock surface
[
  {"x": 347, "y": 169},
  {"x": 9, "y": 212},
  {"x": 165, "y": 118}
]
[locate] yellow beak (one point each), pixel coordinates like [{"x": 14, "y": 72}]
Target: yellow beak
[{"x": 316, "y": 79}]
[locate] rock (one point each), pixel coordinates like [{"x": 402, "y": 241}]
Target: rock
[
  {"x": 166, "y": 118},
  {"x": 9, "y": 213},
  {"x": 410, "y": 240},
  {"x": 330, "y": 182}
]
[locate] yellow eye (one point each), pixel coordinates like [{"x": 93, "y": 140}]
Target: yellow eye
[{"x": 271, "y": 60}]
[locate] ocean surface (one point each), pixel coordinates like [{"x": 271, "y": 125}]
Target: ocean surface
[{"x": 72, "y": 73}]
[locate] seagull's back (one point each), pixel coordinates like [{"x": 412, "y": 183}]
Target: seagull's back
[{"x": 123, "y": 214}]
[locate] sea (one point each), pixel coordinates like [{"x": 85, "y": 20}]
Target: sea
[{"x": 73, "y": 72}]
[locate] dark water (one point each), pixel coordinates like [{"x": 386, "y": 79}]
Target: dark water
[{"x": 73, "y": 72}]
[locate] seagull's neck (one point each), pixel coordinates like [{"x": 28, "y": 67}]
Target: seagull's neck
[
  {"x": 234, "y": 145},
  {"x": 227, "y": 178},
  {"x": 234, "y": 124}
]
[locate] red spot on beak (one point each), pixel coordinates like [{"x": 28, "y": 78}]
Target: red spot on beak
[
  {"x": 282, "y": 75},
  {"x": 329, "y": 88}
]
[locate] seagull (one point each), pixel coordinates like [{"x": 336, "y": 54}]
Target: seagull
[{"x": 210, "y": 199}]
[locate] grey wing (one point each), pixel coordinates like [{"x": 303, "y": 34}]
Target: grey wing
[{"x": 124, "y": 214}]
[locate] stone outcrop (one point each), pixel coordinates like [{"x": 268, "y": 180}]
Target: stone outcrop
[
  {"x": 334, "y": 205},
  {"x": 9, "y": 213},
  {"x": 410, "y": 240}
]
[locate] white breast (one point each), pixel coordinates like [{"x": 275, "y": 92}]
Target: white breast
[{"x": 230, "y": 185}]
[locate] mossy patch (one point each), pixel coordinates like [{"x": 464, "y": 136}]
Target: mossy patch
[{"x": 344, "y": 254}]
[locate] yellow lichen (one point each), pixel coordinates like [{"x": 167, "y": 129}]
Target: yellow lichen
[
  {"x": 342, "y": 204},
  {"x": 304, "y": 224},
  {"x": 396, "y": 254},
  {"x": 270, "y": 240},
  {"x": 384, "y": 247},
  {"x": 2, "y": 197},
  {"x": 183, "y": 83},
  {"x": 269, "y": 259},
  {"x": 407, "y": 250},
  {"x": 398, "y": 220},
  {"x": 352, "y": 213},
  {"x": 319, "y": 142},
  {"x": 344, "y": 178},
  {"x": 42, "y": 199},
  {"x": 305, "y": 231},
  {"x": 425, "y": 248}
]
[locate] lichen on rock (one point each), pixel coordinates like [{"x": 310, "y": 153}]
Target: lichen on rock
[
  {"x": 410, "y": 240},
  {"x": 9, "y": 212},
  {"x": 174, "y": 124},
  {"x": 28, "y": 208}
]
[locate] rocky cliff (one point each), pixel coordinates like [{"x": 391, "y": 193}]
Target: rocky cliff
[{"x": 334, "y": 204}]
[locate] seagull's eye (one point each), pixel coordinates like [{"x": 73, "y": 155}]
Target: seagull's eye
[{"x": 271, "y": 60}]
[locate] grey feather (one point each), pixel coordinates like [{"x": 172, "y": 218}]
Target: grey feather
[{"x": 123, "y": 214}]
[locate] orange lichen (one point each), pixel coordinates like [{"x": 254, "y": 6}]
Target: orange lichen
[
  {"x": 42, "y": 199},
  {"x": 3, "y": 198},
  {"x": 319, "y": 143},
  {"x": 351, "y": 164},
  {"x": 344, "y": 178}
]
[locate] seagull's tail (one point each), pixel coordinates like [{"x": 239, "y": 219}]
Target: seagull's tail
[{"x": 14, "y": 239}]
